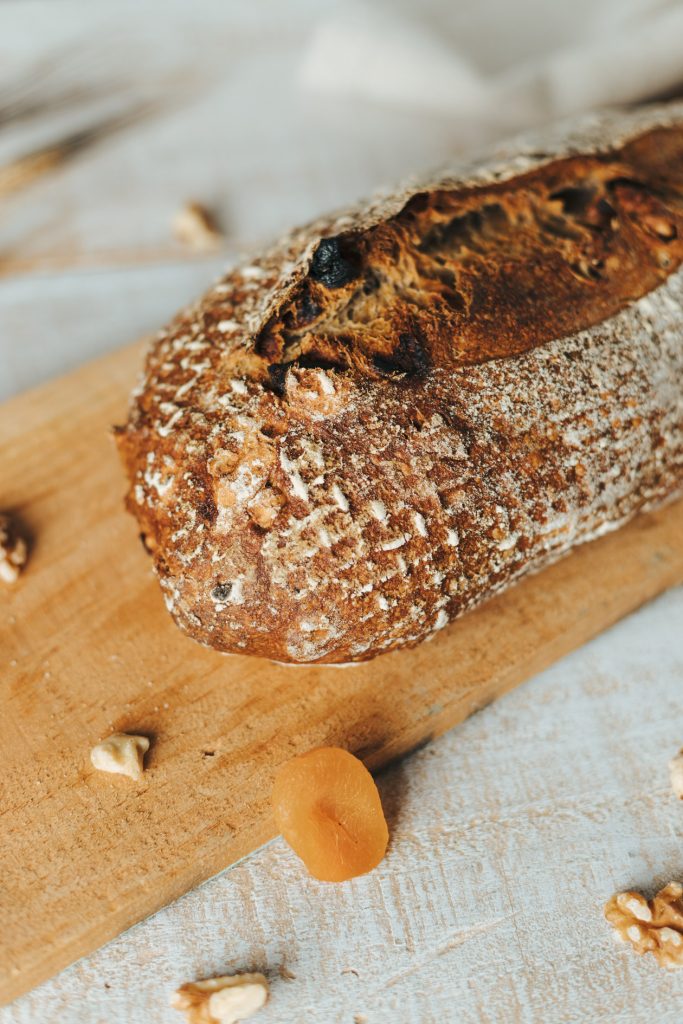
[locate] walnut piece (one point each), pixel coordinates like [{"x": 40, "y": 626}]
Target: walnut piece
[
  {"x": 651, "y": 926},
  {"x": 194, "y": 226},
  {"x": 265, "y": 507},
  {"x": 13, "y": 551},
  {"x": 676, "y": 774},
  {"x": 121, "y": 754},
  {"x": 223, "y": 1000}
]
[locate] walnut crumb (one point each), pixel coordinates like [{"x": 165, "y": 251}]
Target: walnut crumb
[
  {"x": 13, "y": 551},
  {"x": 121, "y": 754},
  {"x": 265, "y": 507},
  {"x": 651, "y": 926},
  {"x": 676, "y": 774},
  {"x": 194, "y": 226},
  {"x": 223, "y": 1000}
]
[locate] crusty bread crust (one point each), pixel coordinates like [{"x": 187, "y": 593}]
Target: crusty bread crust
[{"x": 393, "y": 414}]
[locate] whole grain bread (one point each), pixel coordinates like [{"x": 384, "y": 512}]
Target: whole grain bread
[{"x": 396, "y": 412}]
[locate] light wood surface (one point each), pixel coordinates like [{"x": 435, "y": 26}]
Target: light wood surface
[{"x": 90, "y": 649}]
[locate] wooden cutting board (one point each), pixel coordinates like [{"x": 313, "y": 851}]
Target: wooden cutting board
[{"x": 87, "y": 647}]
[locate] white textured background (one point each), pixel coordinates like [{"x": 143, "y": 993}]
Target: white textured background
[{"x": 510, "y": 833}]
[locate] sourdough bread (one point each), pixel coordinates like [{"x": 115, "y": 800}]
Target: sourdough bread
[{"x": 396, "y": 412}]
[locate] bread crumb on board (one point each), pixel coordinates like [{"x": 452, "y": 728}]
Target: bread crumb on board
[
  {"x": 650, "y": 926},
  {"x": 121, "y": 754},
  {"x": 676, "y": 774},
  {"x": 196, "y": 228},
  {"x": 13, "y": 551},
  {"x": 223, "y": 1000}
]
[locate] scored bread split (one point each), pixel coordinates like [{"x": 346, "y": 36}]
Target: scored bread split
[{"x": 396, "y": 412}]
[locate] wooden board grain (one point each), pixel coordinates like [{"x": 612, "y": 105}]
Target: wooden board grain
[{"x": 87, "y": 647}]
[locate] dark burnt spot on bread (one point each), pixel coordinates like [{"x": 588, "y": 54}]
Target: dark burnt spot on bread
[
  {"x": 575, "y": 200},
  {"x": 409, "y": 356},
  {"x": 586, "y": 206},
  {"x": 334, "y": 263},
  {"x": 221, "y": 592},
  {"x": 206, "y": 509},
  {"x": 277, "y": 373},
  {"x": 313, "y": 361},
  {"x": 308, "y": 309}
]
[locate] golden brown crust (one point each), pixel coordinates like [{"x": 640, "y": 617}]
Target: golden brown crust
[
  {"x": 393, "y": 414},
  {"x": 460, "y": 277}
]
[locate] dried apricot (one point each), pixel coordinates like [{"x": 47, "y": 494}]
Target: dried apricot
[{"x": 328, "y": 809}]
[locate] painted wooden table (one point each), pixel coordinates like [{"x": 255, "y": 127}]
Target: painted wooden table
[{"x": 508, "y": 834}]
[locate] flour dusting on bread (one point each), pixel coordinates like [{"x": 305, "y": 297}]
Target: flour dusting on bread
[{"x": 395, "y": 413}]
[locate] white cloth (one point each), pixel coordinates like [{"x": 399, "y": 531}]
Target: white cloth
[{"x": 500, "y": 64}]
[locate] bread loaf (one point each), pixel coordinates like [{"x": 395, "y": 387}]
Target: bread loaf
[{"x": 396, "y": 412}]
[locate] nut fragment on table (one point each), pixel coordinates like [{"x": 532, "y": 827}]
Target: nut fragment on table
[
  {"x": 13, "y": 551},
  {"x": 223, "y": 1000},
  {"x": 676, "y": 774},
  {"x": 194, "y": 226},
  {"x": 651, "y": 926},
  {"x": 122, "y": 754}
]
